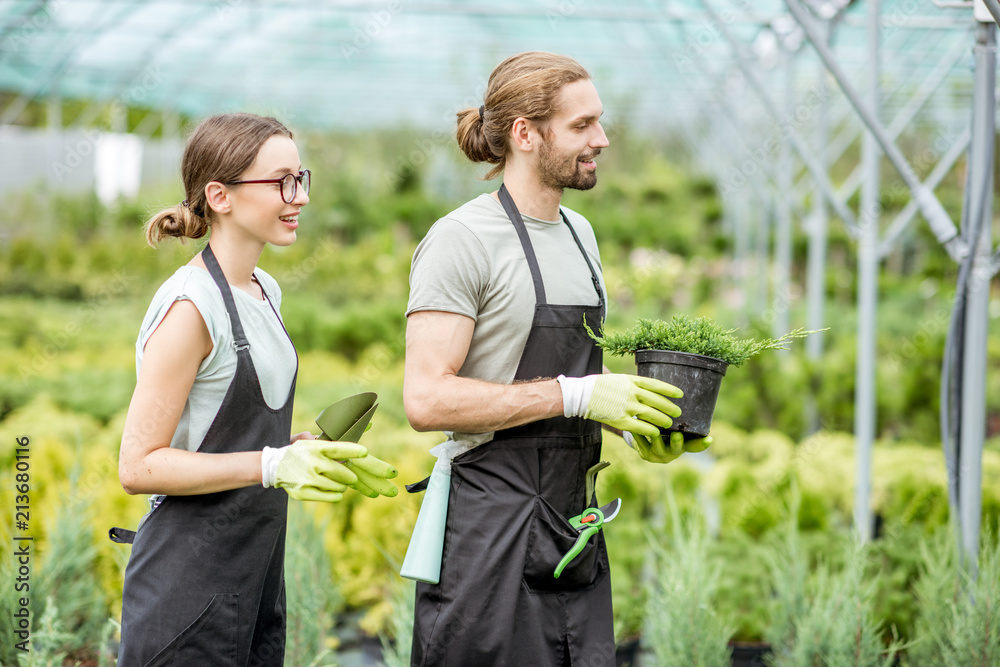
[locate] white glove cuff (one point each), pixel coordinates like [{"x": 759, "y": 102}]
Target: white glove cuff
[
  {"x": 576, "y": 394},
  {"x": 269, "y": 459},
  {"x": 629, "y": 439}
]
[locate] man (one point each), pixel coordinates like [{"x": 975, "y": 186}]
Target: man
[{"x": 498, "y": 357}]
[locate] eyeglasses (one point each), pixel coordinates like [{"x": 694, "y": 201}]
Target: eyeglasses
[{"x": 289, "y": 184}]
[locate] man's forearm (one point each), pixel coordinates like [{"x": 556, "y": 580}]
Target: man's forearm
[{"x": 454, "y": 403}]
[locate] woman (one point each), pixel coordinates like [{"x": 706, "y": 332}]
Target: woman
[{"x": 210, "y": 418}]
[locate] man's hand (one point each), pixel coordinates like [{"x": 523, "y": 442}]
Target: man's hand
[
  {"x": 627, "y": 402},
  {"x": 656, "y": 450},
  {"x": 311, "y": 469}
]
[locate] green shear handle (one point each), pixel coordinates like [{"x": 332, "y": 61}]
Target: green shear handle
[{"x": 587, "y": 524}]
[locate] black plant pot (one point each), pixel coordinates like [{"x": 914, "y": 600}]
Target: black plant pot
[
  {"x": 749, "y": 654},
  {"x": 698, "y": 376}
]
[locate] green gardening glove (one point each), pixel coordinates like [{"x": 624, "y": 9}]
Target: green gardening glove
[
  {"x": 627, "y": 402},
  {"x": 655, "y": 450},
  {"x": 311, "y": 469},
  {"x": 343, "y": 420},
  {"x": 373, "y": 476}
]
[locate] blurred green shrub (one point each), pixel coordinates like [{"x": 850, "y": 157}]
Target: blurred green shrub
[
  {"x": 958, "y": 622},
  {"x": 312, "y": 598},
  {"x": 48, "y": 640},
  {"x": 349, "y": 329},
  {"x": 67, "y": 584},
  {"x": 833, "y": 620},
  {"x": 682, "y": 625},
  {"x": 823, "y": 611},
  {"x": 656, "y": 204},
  {"x": 397, "y": 641}
]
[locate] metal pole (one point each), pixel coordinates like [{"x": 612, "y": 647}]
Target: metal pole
[
  {"x": 54, "y": 121},
  {"x": 994, "y": 8},
  {"x": 868, "y": 265},
  {"x": 735, "y": 207},
  {"x": 762, "y": 255},
  {"x": 53, "y": 116},
  {"x": 973, "y": 407},
  {"x": 941, "y": 169},
  {"x": 750, "y": 228},
  {"x": 822, "y": 179},
  {"x": 783, "y": 226},
  {"x": 910, "y": 110},
  {"x": 940, "y": 222},
  {"x": 818, "y": 229},
  {"x": 844, "y": 139}
]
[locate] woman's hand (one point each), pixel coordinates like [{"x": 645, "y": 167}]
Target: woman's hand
[
  {"x": 311, "y": 469},
  {"x": 373, "y": 477}
]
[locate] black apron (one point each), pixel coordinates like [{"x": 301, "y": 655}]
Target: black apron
[
  {"x": 497, "y": 603},
  {"x": 205, "y": 581}
]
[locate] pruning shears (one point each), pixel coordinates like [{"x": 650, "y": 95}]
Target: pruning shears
[{"x": 587, "y": 524}]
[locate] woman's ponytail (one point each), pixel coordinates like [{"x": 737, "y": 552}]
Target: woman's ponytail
[{"x": 179, "y": 221}]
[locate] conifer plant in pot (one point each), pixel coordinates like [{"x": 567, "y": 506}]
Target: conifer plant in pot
[{"x": 691, "y": 353}]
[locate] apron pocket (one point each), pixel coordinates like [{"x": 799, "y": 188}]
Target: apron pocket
[
  {"x": 550, "y": 538},
  {"x": 209, "y": 640}
]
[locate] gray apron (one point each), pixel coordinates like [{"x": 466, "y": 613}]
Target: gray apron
[
  {"x": 497, "y": 603},
  {"x": 205, "y": 581}
]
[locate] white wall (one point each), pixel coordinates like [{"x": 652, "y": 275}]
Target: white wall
[{"x": 66, "y": 160}]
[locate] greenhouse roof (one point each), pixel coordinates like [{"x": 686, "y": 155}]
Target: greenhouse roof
[{"x": 359, "y": 63}]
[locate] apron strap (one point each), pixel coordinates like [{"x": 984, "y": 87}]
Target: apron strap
[
  {"x": 240, "y": 341},
  {"x": 593, "y": 274},
  {"x": 417, "y": 487},
  {"x": 522, "y": 234},
  {"x": 529, "y": 251},
  {"x": 121, "y": 535}
]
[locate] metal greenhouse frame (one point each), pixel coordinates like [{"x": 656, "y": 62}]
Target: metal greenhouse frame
[{"x": 769, "y": 95}]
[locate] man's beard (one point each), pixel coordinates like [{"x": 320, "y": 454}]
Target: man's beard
[{"x": 562, "y": 171}]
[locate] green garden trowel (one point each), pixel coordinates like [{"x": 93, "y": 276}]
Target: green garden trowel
[{"x": 346, "y": 421}]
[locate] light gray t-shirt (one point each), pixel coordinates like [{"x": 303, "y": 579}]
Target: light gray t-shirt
[
  {"x": 471, "y": 263},
  {"x": 271, "y": 350}
]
